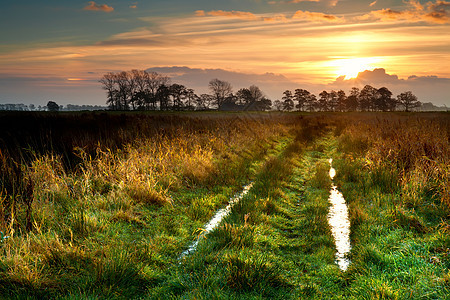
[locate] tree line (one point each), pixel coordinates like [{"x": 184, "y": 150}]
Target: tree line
[
  {"x": 51, "y": 106},
  {"x": 143, "y": 90},
  {"x": 366, "y": 99}
]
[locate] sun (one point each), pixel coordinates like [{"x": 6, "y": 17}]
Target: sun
[{"x": 351, "y": 67}]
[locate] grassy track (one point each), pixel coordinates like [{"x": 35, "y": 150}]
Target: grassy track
[{"x": 114, "y": 226}]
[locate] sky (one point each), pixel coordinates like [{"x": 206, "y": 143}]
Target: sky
[{"x": 58, "y": 50}]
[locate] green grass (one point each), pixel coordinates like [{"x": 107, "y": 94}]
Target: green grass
[{"x": 114, "y": 226}]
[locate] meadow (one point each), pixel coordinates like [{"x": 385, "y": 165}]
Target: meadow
[{"x": 101, "y": 205}]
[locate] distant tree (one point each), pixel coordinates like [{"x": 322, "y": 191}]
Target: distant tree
[
  {"x": 190, "y": 98},
  {"x": 333, "y": 101},
  {"x": 178, "y": 93},
  {"x": 341, "y": 100},
  {"x": 311, "y": 103},
  {"x": 324, "y": 101},
  {"x": 264, "y": 104},
  {"x": 301, "y": 96},
  {"x": 124, "y": 90},
  {"x": 384, "y": 100},
  {"x": 367, "y": 98},
  {"x": 204, "y": 101},
  {"x": 163, "y": 96},
  {"x": 255, "y": 93},
  {"x": 221, "y": 90},
  {"x": 278, "y": 105},
  {"x": 408, "y": 100},
  {"x": 153, "y": 81},
  {"x": 109, "y": 84},
  {"x": 244, "y": 96},
  {"x": 288, "y": 102},
  {"x": 31, "y": 107},
  {"x": 351, "y": 103},
  {"x": 52, "y": 106}
]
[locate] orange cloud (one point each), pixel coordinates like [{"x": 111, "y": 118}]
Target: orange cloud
[
  {"x": 298, "y": 1},
  {"x": 433, "y": 13},
  {"x": 306, "y": 15},
  {"x": 316, "y": 16},
  {"x": 373, "y": 3},
  {"x": 200, "y": 13},
  {"x": 97, "y": 7},
  {"x": 232, "y": 14},
  {"x": 277, "y": 18}
]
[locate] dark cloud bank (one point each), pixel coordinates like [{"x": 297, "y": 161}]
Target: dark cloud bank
[
  {"x": 427, "y": 88},
  {"x": 39, "y": 90}
]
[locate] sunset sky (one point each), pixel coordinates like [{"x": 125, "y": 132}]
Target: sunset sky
[{"x": 58, "y": 50}]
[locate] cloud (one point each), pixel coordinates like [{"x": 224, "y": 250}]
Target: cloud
[
  {"x": 373, "y": 3},
  {"x": 97, "y": 7},
  {"x": 200, "y": 13},
  {"x": 229, "y": 14},
  {"x": 133, "y": 6},
  {"x": 437, "y": 13},
  {"x": 299, "y": 15},
  {"x": 291, "y": 1},
  {"x": 330, "y": 2},
  {"x": 276, "y": 18},
  {"x": 316, "y": 16}
]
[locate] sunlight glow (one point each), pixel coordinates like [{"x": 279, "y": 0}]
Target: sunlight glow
[{"x": 350, "y": 67}]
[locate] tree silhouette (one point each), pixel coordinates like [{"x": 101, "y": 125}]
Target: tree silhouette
[
  {"x": 341, "y": 100},
  {"x": 367, "y": 98},
  {"x": 288, "y": 103},
  {"x": 384, "y": 100},
  {"x": 323, "y": 100},
  {"x": 278, "y": 105},
  {"x": 311, "y": 102},
  {"x": 301, "y": 96},
  {"x": 408, "y": 100},
  {"x": 221, "y": 90},
  {"x": 109, "y": 84},
  {"x": 52, "y": 106},
  {"x": 178, "y": 93},
  {"x": 244, "y": 96}
]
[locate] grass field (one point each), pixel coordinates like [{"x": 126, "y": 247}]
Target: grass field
[{"x": 101, "y": 205}]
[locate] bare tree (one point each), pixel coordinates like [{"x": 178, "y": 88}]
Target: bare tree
[
  {"x": 153, "y": 81},
  {"x": 109, "y": 84},
  {"x": 221, "y": 90}
]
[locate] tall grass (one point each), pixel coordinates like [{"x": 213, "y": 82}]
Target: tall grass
[
  {"x": 395, "y": 177},
  {"x": 80, "y": 216}
]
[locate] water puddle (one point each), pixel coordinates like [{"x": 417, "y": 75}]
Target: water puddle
[
  {"x": 216, "y": 219},
  {"x": 339, "y": 223}
]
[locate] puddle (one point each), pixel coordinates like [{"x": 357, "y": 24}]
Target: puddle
[
  {"x": 216, "y": 219},
  {"x": 339, "y": 223}
]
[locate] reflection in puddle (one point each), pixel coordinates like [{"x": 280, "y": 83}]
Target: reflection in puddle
[
  {"x": 217, "y": 218},
  {"x": 339, "y": 223}
]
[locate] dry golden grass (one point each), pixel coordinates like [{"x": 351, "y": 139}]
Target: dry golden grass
[{"x": 414, "y": 151}]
